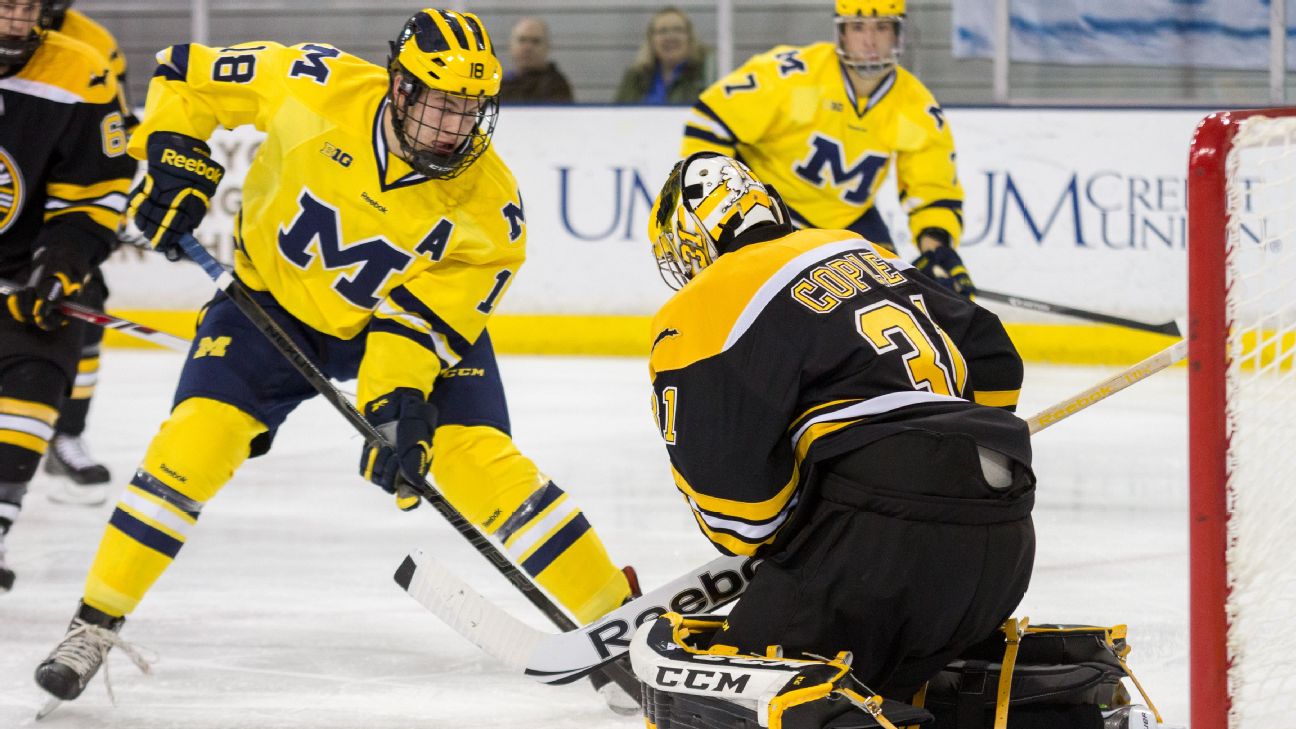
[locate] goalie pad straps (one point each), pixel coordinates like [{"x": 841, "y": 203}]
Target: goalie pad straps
[{"x": 686, "y": 687}]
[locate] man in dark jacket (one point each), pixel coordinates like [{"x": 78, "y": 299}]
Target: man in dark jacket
[{"x": 533, "y": 78}]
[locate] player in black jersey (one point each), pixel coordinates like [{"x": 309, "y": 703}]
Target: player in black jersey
[
  {"x": 63, "y": 180},
  {"x": 833, "y": 410}
]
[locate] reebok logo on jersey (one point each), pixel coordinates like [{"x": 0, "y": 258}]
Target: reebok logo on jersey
[
  {"x": 374, "y": 203},
  {"x": 196, "y": 165}
]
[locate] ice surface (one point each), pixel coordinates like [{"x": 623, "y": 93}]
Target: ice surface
[{"x": 281, "y": 610}]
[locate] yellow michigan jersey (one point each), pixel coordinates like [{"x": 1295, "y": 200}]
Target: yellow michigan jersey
[
  {"x": 64, "y": 171},
  {"x": 77, "y": 25},
  {"x": 860, "y": 346},
  {"x": 792, "y": 116},
  {"x": 343, "y": 233}
]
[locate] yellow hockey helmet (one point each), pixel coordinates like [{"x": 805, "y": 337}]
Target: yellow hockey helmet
[
  {"x": 707, "y": 202},
  {"x": 22, "y": 28},
  {"x": 444, "y": 93},
  {"x": 881, "y": 14}
]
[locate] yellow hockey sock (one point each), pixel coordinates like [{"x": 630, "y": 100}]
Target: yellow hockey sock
[
  {"x": 192, "y": 456},
  {"x": 483, "y": 475}
]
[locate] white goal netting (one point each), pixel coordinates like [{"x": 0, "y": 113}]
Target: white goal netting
[{"x": 1261, "y": 412}]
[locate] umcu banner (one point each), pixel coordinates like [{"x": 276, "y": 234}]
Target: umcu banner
[
  {"x": 1082, "y": 208},
  {"x": 1196, "y": 33}
]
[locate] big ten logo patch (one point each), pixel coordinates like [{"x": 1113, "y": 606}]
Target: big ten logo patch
[{"x": 212, "y": 347}]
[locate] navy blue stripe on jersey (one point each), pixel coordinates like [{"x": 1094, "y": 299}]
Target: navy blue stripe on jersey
[
  {"x": 422, "y": 339},
  {"x": 146, "y": 482},
  {"x": 145, "y": 534},
  {"x": 529, "y": 509},
  {"x": 701, "y": 106},
  {"x": 798, "y": 219},
  {"x": 380, "y": 156},
  {"x": 707, "y": 137},
  {"x": 872, "y": 227},
  {"x": 556, "y": 545},
  {"x": 401, "y": 297},
  {"x": 955, "y": 206},
  {"x": 177, "y": 69}
]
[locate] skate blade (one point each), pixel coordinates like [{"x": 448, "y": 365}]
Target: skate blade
[
  {"x": 48, "y": 708},
  {"x": 77, "y": 495}
]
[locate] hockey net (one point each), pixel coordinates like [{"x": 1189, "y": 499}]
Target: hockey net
[{"x": 1242, "y": 418}]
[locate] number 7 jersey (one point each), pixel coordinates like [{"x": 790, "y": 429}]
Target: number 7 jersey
[
  {"x": 341, "y": 231},
  {"x": 793, "y": 351}
]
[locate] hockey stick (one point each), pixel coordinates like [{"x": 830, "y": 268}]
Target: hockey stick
[
  {"x": 243, "y": 299},
  {"x": 108, "y": 321},
  {"x": 1171, "y": 328},
  {"x": 1110, "y": 386},
  {"x": 565, "y": 657}
]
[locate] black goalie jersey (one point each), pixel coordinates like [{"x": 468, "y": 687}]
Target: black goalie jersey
[
  {"x": 64, "y": 171},
  {"x": 817, "y": 343}
]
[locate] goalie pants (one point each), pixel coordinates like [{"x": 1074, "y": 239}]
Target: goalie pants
[
  {"x": 236, "y": 390},
  {"x": 904, "y": 556}
]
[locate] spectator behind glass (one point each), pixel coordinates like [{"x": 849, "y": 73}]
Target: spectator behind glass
[
  {"x": 533, "y": 78},
  {"x": 671, "y": 67}
]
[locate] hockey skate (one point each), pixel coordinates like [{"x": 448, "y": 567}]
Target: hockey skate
[
  {"x": 76, "y": 659},
  {"x": 84, "y": 480},
  {"x": 1134, "y": 716},
  {"x": 616, "y": 697}
]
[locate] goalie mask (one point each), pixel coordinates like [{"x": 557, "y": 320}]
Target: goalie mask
[
  {"x": 21, "y": 30},
  {"x": 870, "y": 34},
  {"x": 708, "y": 201},
  {"x": 444, "y": 92}
]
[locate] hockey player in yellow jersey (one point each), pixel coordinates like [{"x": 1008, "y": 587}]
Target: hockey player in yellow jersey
[
  {"x": 64, "y": 174},
  {"x": 379, "y": 228},
  {"x": 824, "y": 123},
  {"x": 85, "y": 478}
]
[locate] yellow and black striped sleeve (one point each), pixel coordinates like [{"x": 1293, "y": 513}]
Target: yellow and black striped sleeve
[
  {"x": 926, "y": 165},
  {"x": 89, "y": 174}
]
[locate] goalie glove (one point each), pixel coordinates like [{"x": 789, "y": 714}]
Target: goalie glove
[
  {"x": 58, "y": 274},
  {"x": 943, "y": 264},
  {"x": 689, "y": 687},
  {"x": 176, "y": 191},
  {"x": 406, "y": 421}
]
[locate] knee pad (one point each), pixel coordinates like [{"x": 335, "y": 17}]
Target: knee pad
[
  {"x": 31, "y": 391},
  {"x": 200, "y": 446},
  {"x": 687, "y": 686}
]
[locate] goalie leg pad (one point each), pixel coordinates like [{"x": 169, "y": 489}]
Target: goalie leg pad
[{"x": 687, "y": 686}]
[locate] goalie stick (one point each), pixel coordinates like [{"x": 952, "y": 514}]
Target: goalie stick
[
  {"x": 558, "y": 658},
  {"x": 243, "y": 299},
  {"x": 1170, "y": 328},
  {"x": 98, "y": 318}
]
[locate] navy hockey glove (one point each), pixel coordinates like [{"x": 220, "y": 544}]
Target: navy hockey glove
[
  {"x": 944, "y": 265},
  {"x": 176, "y": 190},
  {"x": 407, "y": 422},
  {"x": 58, "y": 274}
]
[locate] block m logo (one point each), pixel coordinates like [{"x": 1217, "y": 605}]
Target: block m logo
[
  {"x": 859, "y": 177},
  {"x": 212, "y": 347}
]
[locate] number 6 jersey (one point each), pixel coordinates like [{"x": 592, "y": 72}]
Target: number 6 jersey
[
  {"x": 341, "y": 231},
  {"x": 792, "y": 351}
]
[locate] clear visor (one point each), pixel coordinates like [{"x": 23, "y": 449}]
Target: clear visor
[
  {"x": 441, "y": 133},
  {"x": 870, "y": 45}
]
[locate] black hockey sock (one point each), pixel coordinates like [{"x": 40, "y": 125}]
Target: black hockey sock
[{"x": 72, "y": 417}]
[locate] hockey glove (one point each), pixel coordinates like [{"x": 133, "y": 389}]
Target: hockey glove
[
  {"x": 944, "y": 265},
  {"x": 176, "y": 190},
  {"x": 58, "y": 274},
  {"x": 407, "y": 422}
]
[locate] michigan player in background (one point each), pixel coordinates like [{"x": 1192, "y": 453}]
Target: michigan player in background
[
  {"x": 64, "y": 173},
  {"x": 823, "y": 124},
  {"x": 68, "y": 454},
  {"x": 380, "y": 229},
  {"x": 883, "y": 477}
]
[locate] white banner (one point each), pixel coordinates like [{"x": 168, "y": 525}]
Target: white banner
[
  {"x": 1082, "y": 208},
  {"x": 1196, "y": 33}
]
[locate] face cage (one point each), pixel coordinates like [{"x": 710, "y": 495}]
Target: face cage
[
  {"x": 467, "y": 146},
  {"x": 670, "y": 251},
  {"x": 16, "y": 50},
  {"x": 870, "y": 68}
]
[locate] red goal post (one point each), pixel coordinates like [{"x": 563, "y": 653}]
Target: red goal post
[{"x": 1242, "y": 411}]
